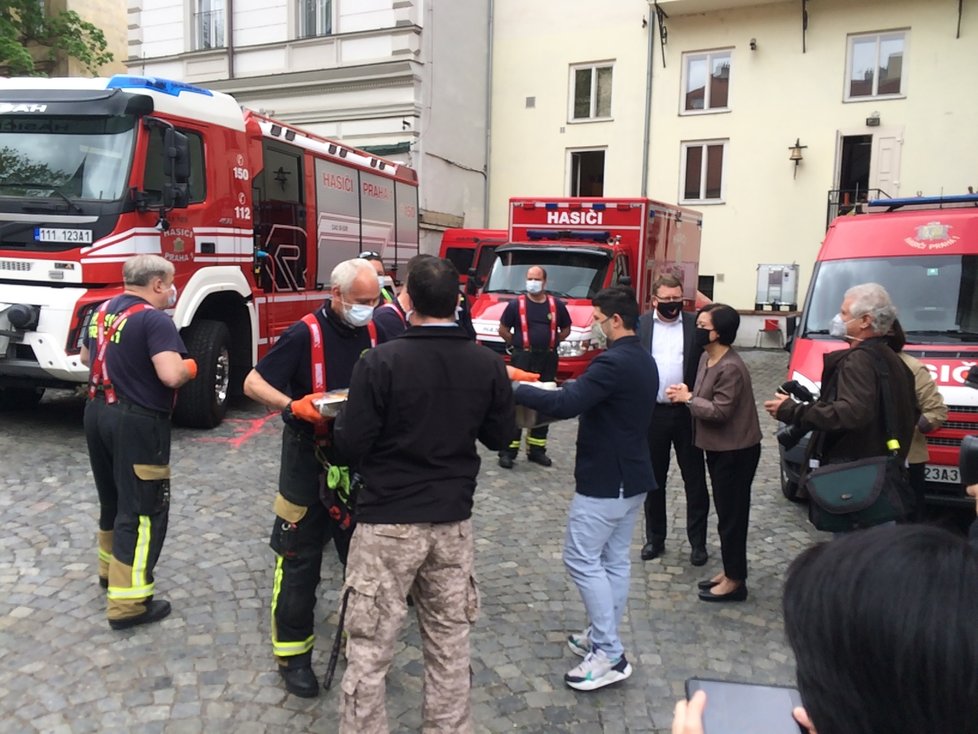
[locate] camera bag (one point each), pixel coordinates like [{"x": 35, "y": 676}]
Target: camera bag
[{"x": 858, "y": 494}]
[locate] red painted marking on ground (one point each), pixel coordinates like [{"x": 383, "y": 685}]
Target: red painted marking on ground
[{"x": 251, "y": 429}]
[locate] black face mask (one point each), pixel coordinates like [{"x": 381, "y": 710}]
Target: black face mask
[
  {"x": 702, "y": 337},
  {"x": 669, "y": 311}
]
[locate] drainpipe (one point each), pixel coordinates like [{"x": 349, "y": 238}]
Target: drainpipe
[
  {"x": 485, "y": 202},
  {"x": 230, "y": 5},
  {"x": 646, "y": 138}
]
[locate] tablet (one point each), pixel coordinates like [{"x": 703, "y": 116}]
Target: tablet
[{"x": 746, "y": 708}]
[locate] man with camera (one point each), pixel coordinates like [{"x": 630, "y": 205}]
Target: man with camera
[{"x": 848, "y": 417}]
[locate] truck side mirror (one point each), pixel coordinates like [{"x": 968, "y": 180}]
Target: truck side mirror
[
  {"x": 968, "y": 461},
  {"x": 176, "y": 195},
  {"x": 176, "y": 156}
]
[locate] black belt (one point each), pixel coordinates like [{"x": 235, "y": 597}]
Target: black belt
[{"x": 132, "y": 407}]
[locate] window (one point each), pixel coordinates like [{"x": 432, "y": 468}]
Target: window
[
  {"x": 702, "y": 167},
  {"x": 209, "y": 24},
  {"x": 591, "y": 92},
  {"x": 706, "y": 81},
  {"x": 586, "y": 173},
  {"x": 154, "y": 179},
  {"x": 315, "y": 18},
  {"x": 875, "y": 65}
]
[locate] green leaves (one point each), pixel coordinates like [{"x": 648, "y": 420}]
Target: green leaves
[{"x": 29, "y": 37}]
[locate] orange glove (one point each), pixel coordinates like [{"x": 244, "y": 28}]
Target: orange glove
[
  {"x": 304, "y": 409},
  {"x": 518, "y": 375},
  {"x": 191, "y": 365}
]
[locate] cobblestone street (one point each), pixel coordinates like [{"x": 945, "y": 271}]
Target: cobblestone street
[{"x": 208, "y": 667}]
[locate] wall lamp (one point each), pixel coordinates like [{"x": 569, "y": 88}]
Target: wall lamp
[
  {"x": 873, "y": 120},
  {"x": 796, "y": 154}
]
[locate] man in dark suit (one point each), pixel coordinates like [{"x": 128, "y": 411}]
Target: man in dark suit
[
  {"x": 667, "y": 334},
  {"x": 614, "y": 398}
]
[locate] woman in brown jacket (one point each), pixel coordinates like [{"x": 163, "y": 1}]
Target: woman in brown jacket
[{"x": 725, "y": 426}]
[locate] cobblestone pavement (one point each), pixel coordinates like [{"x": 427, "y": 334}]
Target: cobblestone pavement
[{"x": 208, "y": 667}]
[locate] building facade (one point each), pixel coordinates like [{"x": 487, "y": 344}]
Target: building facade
[
  {"x": 703, "y": 104},
  {"x": 404, "y": 79}
]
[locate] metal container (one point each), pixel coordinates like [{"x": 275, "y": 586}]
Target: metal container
[
  {"x": 329, "y": 405},
  {"x": 529, "y": 418}
]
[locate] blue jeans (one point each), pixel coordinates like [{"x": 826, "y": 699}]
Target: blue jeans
[{"x": 596, "y": 554}]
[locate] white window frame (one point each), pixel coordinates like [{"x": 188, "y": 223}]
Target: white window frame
[
  {"x": 683, "y": 91},
  {"x": 297, "y": 8},
  {"x": 215, "y": 41},
  {"x": 878, "y": 36},
  {"x": 592, "y": 117},
  {"x": 700, "y": 201}
]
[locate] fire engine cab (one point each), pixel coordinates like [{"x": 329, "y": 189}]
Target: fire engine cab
[{"x": 253, "y": 213}]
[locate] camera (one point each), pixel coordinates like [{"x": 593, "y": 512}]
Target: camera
[{"x": 789, "y": 435}]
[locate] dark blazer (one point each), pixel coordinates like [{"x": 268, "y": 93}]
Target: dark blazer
[
  {"x": 614, "y": 399},
  {"x": 417, "y": 405},
  {"x": 691, "y": 355},
  {"x": 724, "y": 414}
]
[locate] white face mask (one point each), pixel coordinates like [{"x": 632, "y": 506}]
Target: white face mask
[
  {"x": 171, "y": 297},
  {"x": 534, "y": 286},
  {"x": 837, "y": 327},
  {"x": 357, "y": 314},
  {"x": 598, "y": 336}
]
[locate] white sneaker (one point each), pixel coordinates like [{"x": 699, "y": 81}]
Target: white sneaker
[
  {"x": 596, "y": 671},
  {"x": 580, "y": 644}
]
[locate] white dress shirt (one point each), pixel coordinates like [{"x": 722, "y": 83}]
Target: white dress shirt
[{"x": 667, "y": 350}]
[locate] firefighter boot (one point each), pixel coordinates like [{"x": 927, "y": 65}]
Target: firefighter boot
[
  {"x": 539, "y": 456},
  {"x": 299, "y": 678},
  {"x": 104, "y": 556}
]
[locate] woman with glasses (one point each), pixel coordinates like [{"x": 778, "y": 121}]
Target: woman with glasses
[{"x": 726, "y": 427}]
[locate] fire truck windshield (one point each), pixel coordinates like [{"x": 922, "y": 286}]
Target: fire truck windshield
[
  {"x": 936, "y": 295},
  {"x": 569, "y": 274},
  {"x": 65, "y": 158}
]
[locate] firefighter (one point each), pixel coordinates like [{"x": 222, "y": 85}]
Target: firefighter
[
  {"x": 315, "y": 354},
  {"x": 383, "y": 279},
  {"x": 136, "y": 361},
  {"x": 532, "y": 325}
]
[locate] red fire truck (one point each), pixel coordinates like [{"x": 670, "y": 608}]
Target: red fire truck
[
  {"x": 472, "y": 252},
  {"x": 586, "y": 244},
  {"x": 253, "y": 213},
  {"x": 924, "y": 251}
]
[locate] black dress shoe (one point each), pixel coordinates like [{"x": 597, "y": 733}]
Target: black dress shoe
[
  {"x": 539, "y": 457},
  {"x": 698, "y": 556},
  {"x": 156, "y": 609},
  {"x": 738, "y": 594},
  {"x": 301, "y": 682},
  {"x": 506, "y": 461},
  {"x": 652, "y": 550},
  {"x": 706, "y": 584}
]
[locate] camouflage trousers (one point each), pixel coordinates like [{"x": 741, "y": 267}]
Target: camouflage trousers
[{"x": 434, "y": 562}]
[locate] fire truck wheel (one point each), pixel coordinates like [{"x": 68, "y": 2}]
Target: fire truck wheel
[
  {"x": 202, "y": 402},
  {"x": 20, "y": 398}
]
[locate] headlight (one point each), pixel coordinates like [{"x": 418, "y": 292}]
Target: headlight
[{"x": 573, "y": 347}]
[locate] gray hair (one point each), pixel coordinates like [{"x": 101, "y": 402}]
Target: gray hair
[
  {"x": 347, "y": 271},
  {"x": 139, "y": 270},
  {"x": 872, "y": 298}
]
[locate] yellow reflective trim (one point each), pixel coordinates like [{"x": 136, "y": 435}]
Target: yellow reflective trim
[
  {"x": 140, "y": 558},
  {"x": 285, "y": 649},
  {"x": 530, "y": 441},
  {"x": 131, "y": 592},
  {"x": 893, "y": 445},
  {"x": 514, "y": 444},
  {"x": 105, "y": 555}
]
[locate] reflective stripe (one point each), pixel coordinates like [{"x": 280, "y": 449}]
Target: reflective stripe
[
  {"x": 139, "y": 587},
  {"x": 514, "y": 444},
  {"x": 285, "y": 649},
  {"x": 105, "y": 555},
  {"x": 531, "y": 441}
]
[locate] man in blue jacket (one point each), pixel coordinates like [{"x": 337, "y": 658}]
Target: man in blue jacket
[{"x": 614, "y": 398}]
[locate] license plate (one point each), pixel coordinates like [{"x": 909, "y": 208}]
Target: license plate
[
  {"x": 43, "y": 234},
  {"x": 943, "y": 474}
]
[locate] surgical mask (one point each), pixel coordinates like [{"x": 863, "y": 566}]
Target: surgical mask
[
  {"x": 171, "y": 297},
  {"x": 534, "y": 286},
  {"x": 702, "y": 337},
  {"x": 382, "y": 281},
  {"x": 669, "y": 309},
  {"x": 357, "y": 314},
  {"x": 837, "y": 327},
  {"x": 598, "y": 337}
]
